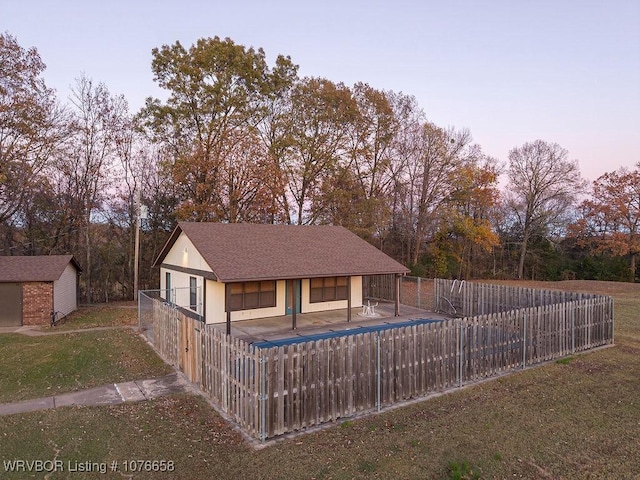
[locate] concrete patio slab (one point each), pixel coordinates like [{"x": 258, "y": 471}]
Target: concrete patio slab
[{"x": 275, "y": 328}]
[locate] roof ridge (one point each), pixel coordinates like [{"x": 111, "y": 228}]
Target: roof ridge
[{"x": 246, "y": 251}]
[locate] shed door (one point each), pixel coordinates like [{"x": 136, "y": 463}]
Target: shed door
[{"x": 10, "y": 304}]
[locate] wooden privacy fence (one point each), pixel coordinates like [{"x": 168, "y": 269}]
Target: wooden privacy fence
[
  {"x": 273, "y": 391},
  {"x": 379, "y": 287},
  {"x": 463, "y": 298}
]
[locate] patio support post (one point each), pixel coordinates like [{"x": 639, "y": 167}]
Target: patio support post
[
  {"x": 227, "y": 304},
  {"x": 204, "y": 300},
  {"x": 397, "y": 313},
  {"x": 348, "y": 299},
  {"x": 294, "y": 294}
]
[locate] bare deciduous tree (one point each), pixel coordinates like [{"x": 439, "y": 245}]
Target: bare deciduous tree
[
  {"x": 543, "y": 184},
  {"x": 86, "y": 165},
  {"x": 319, "y": 121}
]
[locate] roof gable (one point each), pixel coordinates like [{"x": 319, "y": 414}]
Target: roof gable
[
  {"x": 41, "y": 268},
  {"x": 240, "y": 251}
]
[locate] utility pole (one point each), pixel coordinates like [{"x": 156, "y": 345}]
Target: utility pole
[{"x": 136, "y": 247}]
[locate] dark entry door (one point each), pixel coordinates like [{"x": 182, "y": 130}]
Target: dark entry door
[
  {"x": 293, "y": 293},
  {"x": 10, "y": 304}
]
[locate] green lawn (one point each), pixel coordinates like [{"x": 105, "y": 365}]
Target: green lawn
[
  {"x": 32, "y": 367},
  {"x": 101, "y": 315},
  {"x": 575, "y": 419}
]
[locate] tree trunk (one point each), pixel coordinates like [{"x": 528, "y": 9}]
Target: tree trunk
[
  {"x": 88, "y": 260},
  {"x": 523, "y": 254}
]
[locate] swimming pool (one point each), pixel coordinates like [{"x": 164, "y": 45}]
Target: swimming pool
[{"x": 299, "y": 338}]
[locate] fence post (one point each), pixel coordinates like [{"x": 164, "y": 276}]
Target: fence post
[
  {"x": 612, "y": 317},
  {"x": 263, "y": 398},
  {"x": 524, "y": 341},
  {"x": 419, "y": 281},
  {"x": 140, "y": 312},
  {"x": 460, "y": 352},
  {"x": 573, "y": 327},
  {"x": 378, "y": 402}
]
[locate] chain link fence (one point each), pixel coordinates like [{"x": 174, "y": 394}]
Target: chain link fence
[
  {"x": 181, "y": 299},
  {"x": 417, "y": 292}
]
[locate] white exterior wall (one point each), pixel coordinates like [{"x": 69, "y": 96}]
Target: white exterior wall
[
  {"x": 215, "y": 302},
  {"x": 356, "y": 297},
  {"x": 184, "y": 254},
  {"x": 180, "y": 288},
  {"x": 65, "y": 292},
  {"x": 216, "y": 298}
]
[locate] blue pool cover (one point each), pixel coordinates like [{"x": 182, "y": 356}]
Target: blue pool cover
[{"x": 341, "y": 333}]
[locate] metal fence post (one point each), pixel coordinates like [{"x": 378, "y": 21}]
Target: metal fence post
[
  {"x": 460, "y": 352},
  {"x": 612, "y": 316},
  {"x": 524, "y": 341},
  {"x": 573, "y": 328},
  {"x": 140, "y": 295},
  {"x": 263, "y": 399},
  {"x": 378, "y": 401}
]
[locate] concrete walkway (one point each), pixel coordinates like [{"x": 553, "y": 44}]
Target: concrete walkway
[
  {"x": 36, "y": 331},
  {"x": 112, "y": 394}
]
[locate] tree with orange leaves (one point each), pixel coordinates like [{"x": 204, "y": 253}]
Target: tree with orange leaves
[
  {"x": 465, "y": 232},
  {"x": 610, "y": 220}
]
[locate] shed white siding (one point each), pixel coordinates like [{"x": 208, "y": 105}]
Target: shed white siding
[{"x": 64, "y": 292}]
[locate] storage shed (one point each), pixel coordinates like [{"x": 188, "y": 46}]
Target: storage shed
[{"x": 31, "y": 288}]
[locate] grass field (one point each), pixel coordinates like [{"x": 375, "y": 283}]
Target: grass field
[
  {"x": 101, "y": 315},
  {"x": 33, "y": 367},
  {"x": 578, "y": 418}
]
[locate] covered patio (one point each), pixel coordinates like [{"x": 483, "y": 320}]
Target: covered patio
[{"x": 275, "y": 328}]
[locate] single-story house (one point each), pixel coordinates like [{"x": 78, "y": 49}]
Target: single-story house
[
  {"x": 224, "y": 272},
  {"x": 31, "y": 288}
]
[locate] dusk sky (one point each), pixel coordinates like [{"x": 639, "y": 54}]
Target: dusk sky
[{"x": 509, "y": 71}]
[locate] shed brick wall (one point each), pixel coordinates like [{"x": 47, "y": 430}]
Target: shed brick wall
[{"x": 37, "y": 303}]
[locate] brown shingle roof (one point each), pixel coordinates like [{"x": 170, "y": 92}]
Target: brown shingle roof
[
  {"x": 43, "y": 268},
  {"x": 240, "y": 251}
]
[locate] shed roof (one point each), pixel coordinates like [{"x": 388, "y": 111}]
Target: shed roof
[
  {"x": 41, "y": 268},
  {"x": 238, "y": 252}
]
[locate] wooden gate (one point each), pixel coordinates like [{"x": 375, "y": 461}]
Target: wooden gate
[{"x": 190, "y": 347}]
